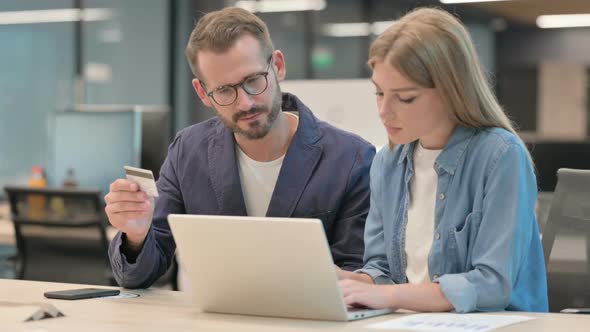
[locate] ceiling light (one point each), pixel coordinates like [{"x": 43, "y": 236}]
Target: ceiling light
[
  {"x": 346, "y": 29},
  {"x": 273, "y": 6},
  {"x": 467, "y": 1},
  {"x": 361, "y": 29},
  {"x": 563, "y": 21},
  {"x": 54, "y": 15},
  {"x": 378, "y": 27}
]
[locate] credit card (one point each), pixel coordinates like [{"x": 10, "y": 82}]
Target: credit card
[{"x": 144, "y": 179}]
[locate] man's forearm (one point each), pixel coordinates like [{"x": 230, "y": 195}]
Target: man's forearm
[{"x": 131, "y": 248}]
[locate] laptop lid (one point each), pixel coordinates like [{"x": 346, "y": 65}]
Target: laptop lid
[{"x": 259, "y": 266}]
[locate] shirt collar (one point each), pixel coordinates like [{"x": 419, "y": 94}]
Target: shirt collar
[{"x": 452, "y": 152}]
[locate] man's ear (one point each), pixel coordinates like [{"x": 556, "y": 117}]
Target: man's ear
[
  {"x": 201, "y": 92},
  {"x": 279, "y": 65}
]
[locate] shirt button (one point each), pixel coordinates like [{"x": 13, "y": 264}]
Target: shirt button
[
  {"x": 441, "y": 196},
  {"x": 438, "y": 236}
]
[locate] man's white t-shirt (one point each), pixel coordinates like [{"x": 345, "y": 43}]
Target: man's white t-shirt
[{"x": 258, "y": 180}]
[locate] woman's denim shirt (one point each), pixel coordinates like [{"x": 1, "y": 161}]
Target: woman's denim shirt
[{"x": 486, "y": 252}]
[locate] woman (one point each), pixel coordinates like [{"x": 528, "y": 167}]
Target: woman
[{"x": 452, "y": 223}]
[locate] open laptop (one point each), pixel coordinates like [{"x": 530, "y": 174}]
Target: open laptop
[{"x": 261, "y": 266}]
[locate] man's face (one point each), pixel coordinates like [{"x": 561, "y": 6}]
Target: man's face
[{"x": 253, "y": 113}]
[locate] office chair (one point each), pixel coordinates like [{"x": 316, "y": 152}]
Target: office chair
[
  {"x": 60, "y": 235},
  {"x": 566, "y": 230}
]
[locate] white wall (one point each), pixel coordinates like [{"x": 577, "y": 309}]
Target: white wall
[
  {"x": 347, "y": 104},
  {"x": 562, "y": 101}
]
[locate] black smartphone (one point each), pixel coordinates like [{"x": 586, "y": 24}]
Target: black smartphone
[
  {"x": 576, "y": 311},
  {"x": 82, "y": 293}
]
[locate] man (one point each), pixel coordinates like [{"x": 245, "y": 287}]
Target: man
[{"x": 264, "y": 154}]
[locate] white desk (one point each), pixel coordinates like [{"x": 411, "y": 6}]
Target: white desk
[{"x": 161, "y": 310}]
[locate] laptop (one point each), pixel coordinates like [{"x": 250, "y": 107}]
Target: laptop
[{"x": 261, "y": 266}]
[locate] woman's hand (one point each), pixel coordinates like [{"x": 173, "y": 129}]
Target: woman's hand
[
  {"x": 360, "y": 294},
  {"x": 362, "y": 277},
  {"x": 342, "y": 274}
]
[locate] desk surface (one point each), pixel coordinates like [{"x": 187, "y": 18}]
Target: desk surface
[{"x": 160, "y": 310}]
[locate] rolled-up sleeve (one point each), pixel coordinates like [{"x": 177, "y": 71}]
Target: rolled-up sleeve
[
  {"x": 158, "y": 249},
  {"x": 139, "y": 274},
  {"x": 503, "y": 237}
]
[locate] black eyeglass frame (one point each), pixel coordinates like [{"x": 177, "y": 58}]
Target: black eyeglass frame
[{"x": 241, "y": 85}]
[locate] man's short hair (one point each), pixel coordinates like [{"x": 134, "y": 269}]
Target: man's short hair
[{"x": 219, "y": 30}]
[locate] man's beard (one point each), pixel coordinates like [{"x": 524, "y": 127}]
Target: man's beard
[{"x": 256, "y": 129}]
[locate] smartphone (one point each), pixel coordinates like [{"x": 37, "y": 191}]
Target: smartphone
[
  {"x": 576, "y": 311},
  {"x": 82, "y": 293}
]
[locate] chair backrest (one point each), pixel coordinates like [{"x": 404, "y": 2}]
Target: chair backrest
[
  {"x": 550, "y": 156},
  {"x": 60, "y": 234},
  {"x": 566, "y": 241}
]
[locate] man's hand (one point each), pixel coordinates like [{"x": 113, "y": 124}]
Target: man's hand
[
  {"x": 360, "y": 294},
  {"x": 130, "y": 211}
]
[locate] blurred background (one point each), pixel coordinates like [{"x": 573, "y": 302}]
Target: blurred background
[{"x": 88, "y": 86}]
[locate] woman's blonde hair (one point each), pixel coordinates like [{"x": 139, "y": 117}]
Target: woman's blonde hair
[{"x": 433, "y": 49}]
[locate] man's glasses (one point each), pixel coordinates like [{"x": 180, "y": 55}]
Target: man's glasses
[{"x": 253, "y": 85}]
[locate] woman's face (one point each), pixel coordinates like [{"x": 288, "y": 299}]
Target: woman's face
[{"x": 410, "y": 112}]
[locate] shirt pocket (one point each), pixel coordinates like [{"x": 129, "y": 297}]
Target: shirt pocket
[{"x": 463, "y": 238}]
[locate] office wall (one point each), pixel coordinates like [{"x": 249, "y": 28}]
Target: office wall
[
  {"x": 528, "y": 46},
  {"x": 544, "y": 76},
  {"x": 36, "y": 69},
  {"x": 125, "y": 56},
  {"x": 128, "y": 53},
  {"x": 98, "y": 159},
  {"x": 187, "y": 106},
  {"x": 562, "y": 112},
  {"x": 484, "y": 39},
  {"x": 347, "y": 104}
]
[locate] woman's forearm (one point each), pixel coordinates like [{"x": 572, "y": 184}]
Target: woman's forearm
[
  {"x": 363, "y": 277},
  {"x": 419, "y": 297}
]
